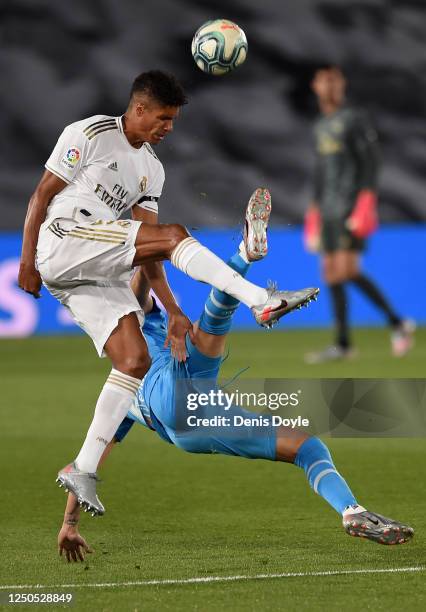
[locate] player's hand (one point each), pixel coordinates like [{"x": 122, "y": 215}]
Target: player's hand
[
  {"x": 72, "y": 545},
  {"x": 312, "y": 230},
  {"x": 363, "y": 220},
  {"x": 29, "y": 280},
  {"x": 179, "y": 326}
]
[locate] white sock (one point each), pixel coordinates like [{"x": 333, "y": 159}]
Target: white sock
[
  {"x": 114, "y": 402},
  {"x": 199, "y": 263},
  {"x": 243, "y": 252},
  {"x": 353, "y": 510}
]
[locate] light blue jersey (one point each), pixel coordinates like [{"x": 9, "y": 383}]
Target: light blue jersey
[
  {"x": 155, "y": 405},
  {"x": 162, "y": 401}
]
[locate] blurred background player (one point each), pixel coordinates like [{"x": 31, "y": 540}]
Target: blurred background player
[
  {"x": 158, "y": 406},
  {"x": 343, "y": 212}
]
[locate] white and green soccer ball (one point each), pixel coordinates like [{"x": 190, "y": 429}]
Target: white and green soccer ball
[{"x": 219, "y": 46}]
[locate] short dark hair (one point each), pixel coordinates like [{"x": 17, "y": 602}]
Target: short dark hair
[
  {"x": 327, "y": 67},
  {"x": 164, "y": 88}
]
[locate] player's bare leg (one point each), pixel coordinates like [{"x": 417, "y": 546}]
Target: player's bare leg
[
  {"x": 208, "y": 344},
  {"x": 288, "y": 443},
  {"x": 340, "y": 266},
  {"x": 130, "y": 359},
  {"x": 155, "y": 242},
  {"x": 127, "y": 349}
]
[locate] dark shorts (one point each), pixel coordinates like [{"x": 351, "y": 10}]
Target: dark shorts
[{"x": 335, "y": 236}]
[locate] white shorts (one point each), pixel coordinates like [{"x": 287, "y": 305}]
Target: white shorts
[{"x": 87, "y": 266}]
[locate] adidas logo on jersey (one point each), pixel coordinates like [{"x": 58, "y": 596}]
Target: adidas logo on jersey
[{"x": 113, "y": 166}]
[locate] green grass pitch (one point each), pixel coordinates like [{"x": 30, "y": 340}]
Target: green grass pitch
[{"x": 172, "y": 515}]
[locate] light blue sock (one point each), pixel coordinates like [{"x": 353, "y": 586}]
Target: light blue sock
[
  {"x": 315, "y": 459},
  {"x": 219, "y": 308}
]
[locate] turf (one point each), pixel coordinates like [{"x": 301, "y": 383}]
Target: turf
[{"x": 173, "y": 515}]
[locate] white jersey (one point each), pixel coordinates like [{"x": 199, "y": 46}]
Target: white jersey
[{"x": 105, "y": 175}]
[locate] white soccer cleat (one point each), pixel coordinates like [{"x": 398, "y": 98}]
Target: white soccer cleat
[
  {"x": 330, "y": 353},
  {"x": 280, "y": 303},
  {"x": 83, "y": 486},
  {"x": 256, "y": 223},
  {"x": 402, "y": 338}
]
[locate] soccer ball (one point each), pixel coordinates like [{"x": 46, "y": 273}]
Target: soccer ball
[{"x": 219, "y": 46}]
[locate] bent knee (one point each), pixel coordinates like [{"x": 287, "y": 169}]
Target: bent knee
[
  {"x": 136, "y": 365},
  {"x": 177, "y": 233},
  {"x": 333, "y": 275},
  {"x": 334, "y": 278}
]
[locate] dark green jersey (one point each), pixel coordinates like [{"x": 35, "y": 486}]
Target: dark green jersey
[{"x": 347, "y": 160}]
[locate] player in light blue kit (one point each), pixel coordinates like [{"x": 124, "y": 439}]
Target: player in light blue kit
[{"x": 156, "y": 406}]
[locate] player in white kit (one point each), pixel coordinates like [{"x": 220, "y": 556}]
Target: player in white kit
[{"x": 74, "y": 243}]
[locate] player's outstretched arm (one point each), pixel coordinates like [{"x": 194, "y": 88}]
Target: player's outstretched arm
[
  {"x": 29, "y": 279},
  {"x": 71, "y": 544},
  {"x": 178, "y": 323}
]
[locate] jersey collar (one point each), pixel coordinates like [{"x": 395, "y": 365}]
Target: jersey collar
[{"x": 120, "y": 126}]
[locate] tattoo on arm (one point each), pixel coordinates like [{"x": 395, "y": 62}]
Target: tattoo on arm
[{"x": 70, "y": 519}]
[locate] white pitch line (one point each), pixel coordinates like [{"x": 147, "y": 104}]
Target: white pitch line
[{"x": 207, "y": 579}]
